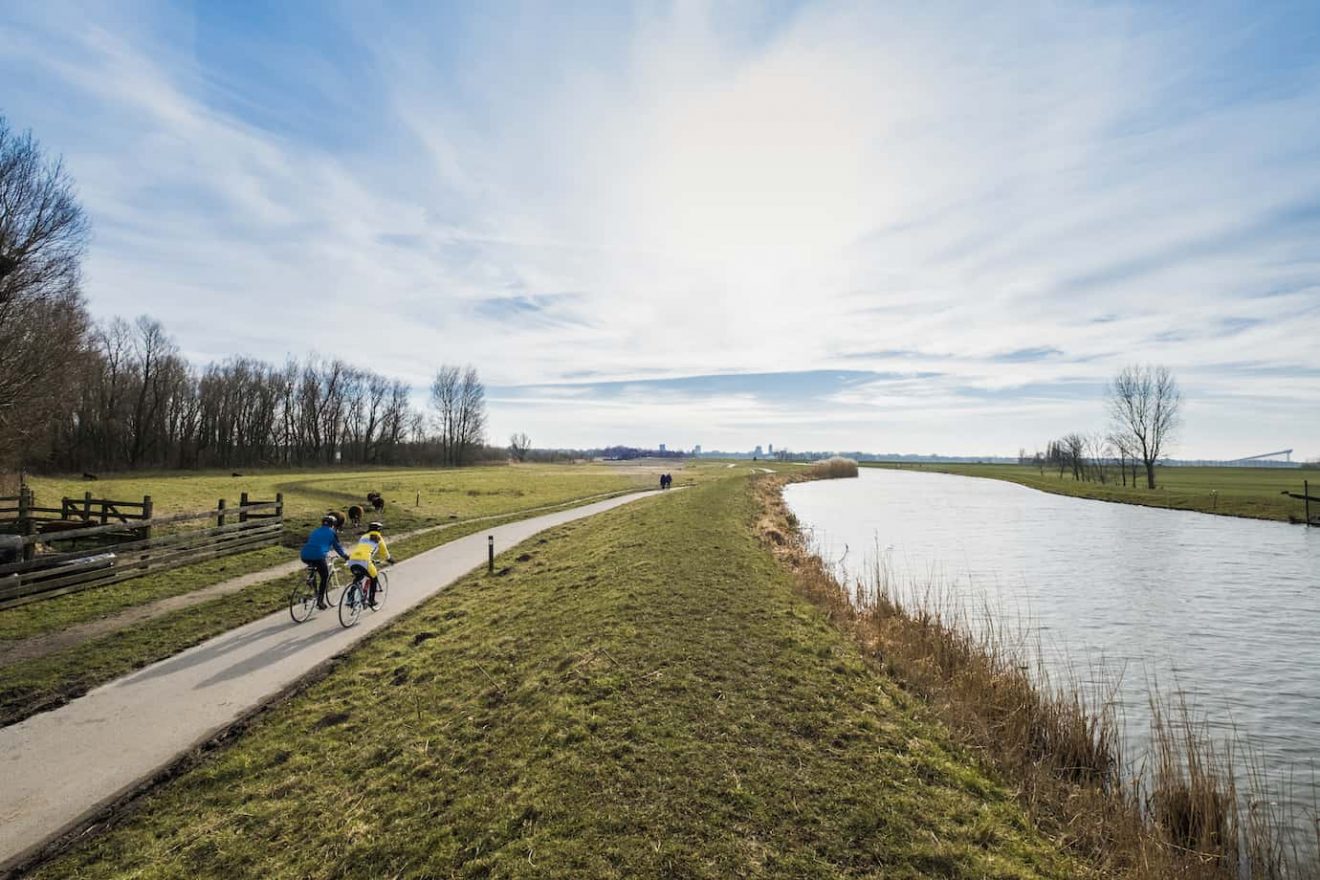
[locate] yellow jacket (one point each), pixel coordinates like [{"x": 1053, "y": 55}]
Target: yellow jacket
[{"x": 364, "y": 551}]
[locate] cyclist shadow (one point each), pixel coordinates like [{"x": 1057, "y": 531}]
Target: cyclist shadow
[
  {"x": 229, "y": 643},
  {"x": 272, "y": 655}
]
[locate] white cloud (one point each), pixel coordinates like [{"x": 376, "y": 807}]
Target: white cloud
[{"x": 853, "y": 179}]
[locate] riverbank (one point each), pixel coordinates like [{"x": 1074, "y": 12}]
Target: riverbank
[
  {"x": 644, "y": 693},
  {"x": 938, "y": 601},
  {"x": 1254, "y": 493}
]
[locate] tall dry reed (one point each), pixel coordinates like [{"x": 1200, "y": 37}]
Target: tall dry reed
[
  {"x": 831, "y": 469},
  {"x": 1181, "y": 814}
]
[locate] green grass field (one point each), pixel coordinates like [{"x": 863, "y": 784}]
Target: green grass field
[
  {"x": 37, "y": 684},
  {"x": 1231, "y": 491},
  {"x": 414, "y": 496},
  {"x": 447, "y": 496},
  {"x": 644, "y": 694}
]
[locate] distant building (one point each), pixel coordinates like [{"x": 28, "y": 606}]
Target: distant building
[
  {"x": 757, "y": 450},
  {"x": 772, "y": 449},
  {"x": 662, "y": 447},
  {"x": 696, "y": 450}
]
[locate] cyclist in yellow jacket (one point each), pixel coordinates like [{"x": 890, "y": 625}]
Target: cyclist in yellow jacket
[{"x": 361, "y": 559}]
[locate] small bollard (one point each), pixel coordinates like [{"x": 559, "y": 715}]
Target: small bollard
[
  {"x": 490, "y": 554},
  {"x": 419, "y": 500}
]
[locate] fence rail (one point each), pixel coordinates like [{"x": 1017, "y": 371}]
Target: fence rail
[
  {"x": 1307, "y": 499},
  {"x": 128, "y": 546}
]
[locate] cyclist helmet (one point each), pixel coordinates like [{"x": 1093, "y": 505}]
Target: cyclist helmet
[
  {"x": 375, "y": 526},
  {"x": 329, "y": 520}
]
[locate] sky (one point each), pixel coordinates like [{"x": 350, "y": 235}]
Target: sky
[{"x": 893, "y": 227}]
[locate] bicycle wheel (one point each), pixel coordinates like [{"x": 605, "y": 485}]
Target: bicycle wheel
[
  {"x": 332, "y": 587},
  {"x": 382, "y": 589},
  {"x": 302, "y": 600},
  {"x": 350, "y": 604}
]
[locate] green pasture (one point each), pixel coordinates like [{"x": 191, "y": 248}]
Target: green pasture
[
  {"x": 639, "y": 694},
  {"x": 1231, "y": 491},
  {"x": 414, "y": 497}
]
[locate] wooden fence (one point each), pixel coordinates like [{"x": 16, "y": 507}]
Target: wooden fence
[
  {"x": 1307, "y": 499},
  {"x": 95, "y": 542}
]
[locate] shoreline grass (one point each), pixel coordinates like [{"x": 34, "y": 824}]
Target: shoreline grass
[
  {"x": 644, "y": 694},
  {"x": 1249, "y": 493},
  {"x": 1185, "y": 813}
]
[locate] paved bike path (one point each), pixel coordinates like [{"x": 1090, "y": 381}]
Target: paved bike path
[{"x": 59, "y": 768}]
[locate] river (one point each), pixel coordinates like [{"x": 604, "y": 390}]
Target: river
[{"x": 1226, "y": 610}]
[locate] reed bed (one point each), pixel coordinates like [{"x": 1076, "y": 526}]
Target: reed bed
[
  {"x": 1180, "y": 812},
  {"x": 831, "y": 469}
]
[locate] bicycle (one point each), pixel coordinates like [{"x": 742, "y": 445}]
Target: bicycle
[
  {"x": 354, "y": 597},
  {"x": 302, "y": 600}
]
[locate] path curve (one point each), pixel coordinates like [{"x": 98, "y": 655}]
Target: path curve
[
  {"x": 45, "y": 644},
  {"x": 60, "y": 768}
]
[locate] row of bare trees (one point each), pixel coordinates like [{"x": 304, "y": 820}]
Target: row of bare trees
[
  {"x": 138, "y": 403},
  {"x": 1144, "y": 404}
]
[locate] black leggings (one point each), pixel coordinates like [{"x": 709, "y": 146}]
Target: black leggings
[{"x": 323, "y": 571}]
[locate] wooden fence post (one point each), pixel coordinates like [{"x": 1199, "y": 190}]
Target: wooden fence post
[
  {"x": 25, "y": 520},
  {"x": 65, "y": 504},
  {"x": 279, "y": 506},
  {"x": 87, "y": 506},
  {"x": 147, "y": 510},
  {"x": 242, "y": 502},
  {"x": 220, "y": 513},
  {"x": 1306, "y": 490}
]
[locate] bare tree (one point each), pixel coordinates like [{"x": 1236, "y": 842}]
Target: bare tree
[
  {"x": 519, "y": 444},
  {"x": 1144, "y": 406},
  {"x": 43, "y": 233},
  {"x": 444, "y": 401},
  {"x": 472, "y": 416}
]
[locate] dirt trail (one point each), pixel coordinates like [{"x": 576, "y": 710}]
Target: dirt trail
[{"x": 36, "y": 647}]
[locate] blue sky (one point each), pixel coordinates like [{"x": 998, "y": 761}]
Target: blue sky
[{"x": 899, "y": 227}]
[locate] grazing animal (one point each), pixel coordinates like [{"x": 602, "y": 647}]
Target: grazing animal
[
  {"x": 235, "y": 474},
  {"x": 377, "y": 503},
  {"x": 355, "y": 515},
  {"x": 339, "y": 518},
  {"x": 87, "y": 476}
]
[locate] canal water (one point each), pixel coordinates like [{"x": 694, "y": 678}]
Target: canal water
[{"x": 1225, "y": 610}]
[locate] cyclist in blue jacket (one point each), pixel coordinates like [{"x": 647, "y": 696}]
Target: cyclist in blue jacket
[{"x": 319, "y": 544}]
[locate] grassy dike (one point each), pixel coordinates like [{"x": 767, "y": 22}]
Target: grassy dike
[
  {"x": 1253, "y": 493},
  {"x": 642, "y": 694},
  {"x": 39, "y": 685}
]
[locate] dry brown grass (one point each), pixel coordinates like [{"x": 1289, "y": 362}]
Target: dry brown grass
[
  {"x": 831, "y": 469},
  {"x": 1181, "y": 815}
]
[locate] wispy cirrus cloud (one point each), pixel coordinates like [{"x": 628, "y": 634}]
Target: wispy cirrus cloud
[{"x": 849, "y": 225}]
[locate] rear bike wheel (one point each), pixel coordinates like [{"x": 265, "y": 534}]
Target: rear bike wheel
[
  {"x": 350, "y": 604},
  {"x": 332, "y": 587},
  {"x": 382, "y": 589},
  {"x": 302, "y": 599}
]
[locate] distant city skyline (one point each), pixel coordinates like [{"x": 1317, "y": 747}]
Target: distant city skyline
[{"x": 937, "y": 228}]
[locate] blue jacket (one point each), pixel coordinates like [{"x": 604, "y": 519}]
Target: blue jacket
[{"x": 320, "y": 543}]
